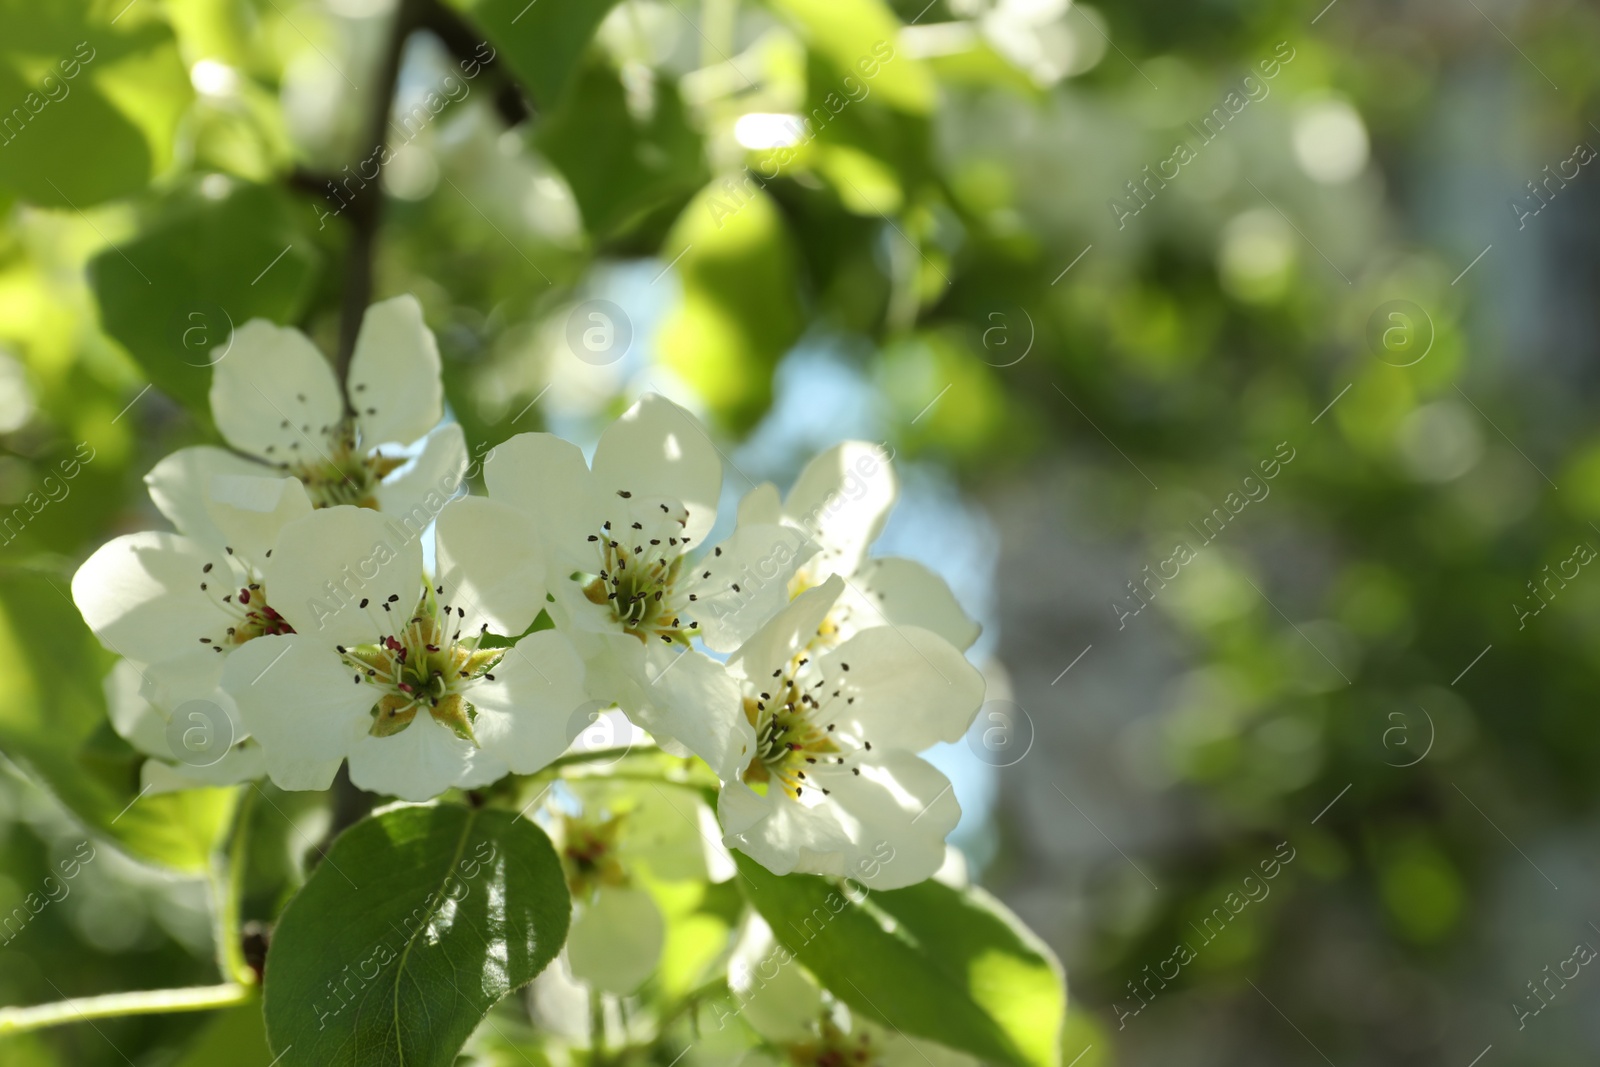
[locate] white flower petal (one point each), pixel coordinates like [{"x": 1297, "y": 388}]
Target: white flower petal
[
  {"x": 842, "y": 499},
  {"x": 912, "y": 688},
  {"x": 615, "y": 941},
  {"x": 744, "y": 581},
  {"x": 529, "y": 713},
  {"x": 249, "y": 511},
  {"x": 692, "y": 699},
  {"x": 900, "y": 592},
  {"x": 760, "y": 506},
  {"x": 786, "y": 633},
  {"x": 418, "y": 763},
  {"x": 180, "y": 486},
  {"x": 614, "y": 665},
  {"x": 483, "y": 769},
  {"x": 140, "y": 593},
  {"x": 416, "y": 495},
  {"x": 394, "y": 384},
  {"x": 488, "y": 566},
  {"x": 241, "y": 763},
  {"x": 782, "y": 834},
  {"x": 546, "y": 479},
  {"x": 300, "y": 704},
  {"x": 775, "y": 995},
  {"x": 274, "y": 375},
  {"x": 332, "y": 562},
  {"x": 135, "y": 719},
  {"x": 657, "y": 448},
  {"x": 195, "y": 675},
  {"x": 885, "y": 827}
]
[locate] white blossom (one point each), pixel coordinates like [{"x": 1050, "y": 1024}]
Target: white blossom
[
  {"x": 275, "y": 399},
  {"x": 834, "y": 785},
  {"x": 842, "y": 499},
  {"x": 391, "y": 671},
  {"x": 622, "y": 541},
  {"x": 177, "y": 606}
]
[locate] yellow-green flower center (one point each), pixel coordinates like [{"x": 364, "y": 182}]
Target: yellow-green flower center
[{"x": 425, "y": 665}]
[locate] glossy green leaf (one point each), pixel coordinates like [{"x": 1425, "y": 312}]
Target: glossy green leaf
[
  {"x": 416, "y": 922},
  {"x": 543, "y": 43},
  {"x": 173, "y": 295},
  {"x": 741, "y": 305},
  {"x": 621, "y": 166},
  {"x": 51, "y": 725},
  {"x": 950, "y": 965},
  {"x": 89, "y": 100},
  {"x": 237, "y": 1037}
]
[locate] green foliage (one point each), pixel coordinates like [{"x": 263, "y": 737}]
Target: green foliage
[
  {"x": 413, "y": 925},
  {"x": 641, "y": 165},
  {"x": 544, "y": 44},
  {"x": 53, "y": 724},
  {"x": 203, "y": 266},
  {"x": 740, "y": 311},
  {"x": 89, "y": 101},
  {"x": 945, "y": 964}
]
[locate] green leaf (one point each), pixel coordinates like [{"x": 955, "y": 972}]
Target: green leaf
[
  {"x": 621, "y": 166},
  {"x": 542, "y": 43},
  {"x": 50, "y": 724},
  {"x": 237, "y": 1038},
  {"x": 954, "y": 966},
  {"x": 860, "y": 39},
  {"x": 415, "y": 923},
  {"x": 204, "y": 266},
  {"x": 93, "y": 100},
  {"x": 741, "y": 303}
]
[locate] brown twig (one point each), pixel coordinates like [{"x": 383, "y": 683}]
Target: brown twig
[
  {"x": 366, "y": 211},
  {"x": 465, "y": 42}
]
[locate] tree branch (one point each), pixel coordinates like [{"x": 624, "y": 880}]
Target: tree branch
[
  {"x": 366, "y": 211},
  {"x": 462, "y": 38}
]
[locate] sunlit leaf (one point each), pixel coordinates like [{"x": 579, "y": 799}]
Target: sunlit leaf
[
  {"x": 741, "y": 306},
  {"x": 621, "y": 165},
  {"x": 415, "y": 923},
  {"x": 859, "y": 39},
  {"x": 954, "y": 966},
  {"x": 173, "y": 295},
  {"x": 51, "y": 724},
  {"x": 92, "y": 100}
]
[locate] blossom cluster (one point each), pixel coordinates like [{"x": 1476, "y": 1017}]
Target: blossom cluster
[{"x": 336, "y": 594}]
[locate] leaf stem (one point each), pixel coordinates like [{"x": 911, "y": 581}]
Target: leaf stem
[
  {"x": 111, "y": 1005},
  {"x": 599, "y": 755},
  {"x": 226, "y": 879},
  {"x": 597, "y": 1028}
]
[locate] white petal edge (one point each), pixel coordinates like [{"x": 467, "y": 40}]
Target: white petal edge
[
  {"x": 416, "y": 495},
  {"x": 298, "y": 701},
  {"x": 418, "y": 763},
  {"x": 657, "y": 448},
  {"x": 180, "y": 487},
  {"x": 535, "y": 706},
  {"x": 782, "y": 637},
  {"x": 547, "y": 479},
  {"x": 334, "y": 572},
  {"x": 273, "y": 375},
  {"x": 744, "y": 581},
  {"x": 912, "y": 688},
  {"x": 394, "y": 383},
  {"x": 488, "y": 566},
  {"x": 842, "y": 499}
]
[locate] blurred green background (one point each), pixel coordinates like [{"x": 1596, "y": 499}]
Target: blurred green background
[{"x": 1339, "y": 346}]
